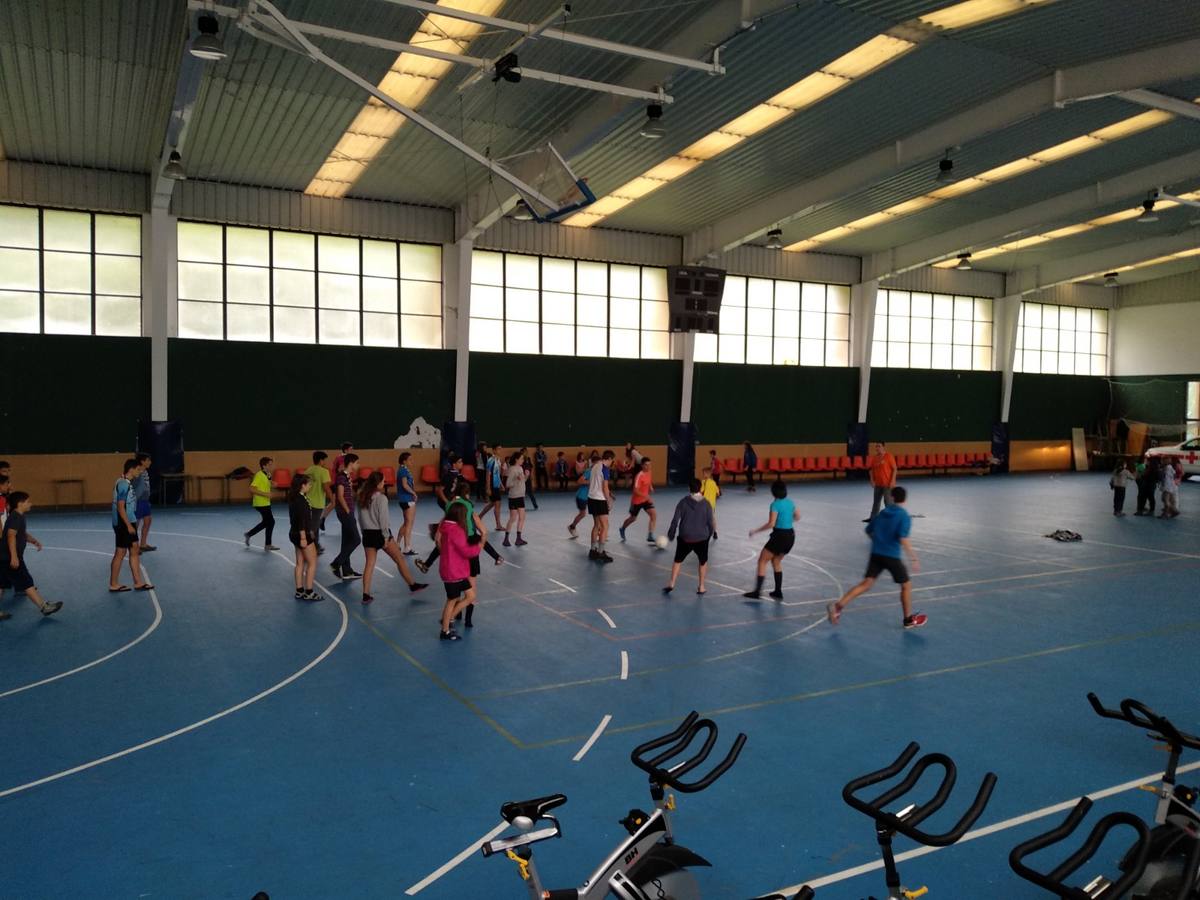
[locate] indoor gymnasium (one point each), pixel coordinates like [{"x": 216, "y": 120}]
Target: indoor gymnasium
[{"x": 638, "y": 449}]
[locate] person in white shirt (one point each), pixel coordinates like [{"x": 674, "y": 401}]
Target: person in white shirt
[
  {"x": 599, "y": 504},
  {"x": 1172, "y": 473},
  {"x": 515, "y": 483}
]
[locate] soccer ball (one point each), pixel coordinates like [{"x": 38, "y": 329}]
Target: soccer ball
[{"x": 662, "y": 542}]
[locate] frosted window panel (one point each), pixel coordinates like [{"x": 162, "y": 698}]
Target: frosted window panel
[
  {"x": 655, "y": 316},
  {"x": 812, "y": 324},
  {"x": 487, "y": 335},
  {"x": 837, "y": 327},
  {"x": 1083, "y": 364},
  {"x": 881, "y": 303},
  {"x": 201, "y": 320},
  {"x": 813, "y": 297},
  {"x": 337, "y": 326},
  {"x": 120, "y": 275},
  {"x": 759, "y": 321},
  {"x": 656, "y": 345},
  {"x": 759, "y": 350},
  {"x": 735, "y": 292},
  {"x": 898, "y": 329},
  {"x": 787, "y": 295},
  {"x": 920, "y": 330},
  {"x": 1066, "y": 342},
  {"x": 292, "y": 250},
  {"x": 592, "y": 310},
  {"x": 248, "y": 323},
  {"x": 487, "y": 268},
  {"x": 1031, "y": 362},
  {"x": 731, "y": 349},
  {"x": 812, "y": 352},
  {"x": 943, "y": 331},
  {"x": 962, "y": 357},
  {"x": 625, "y": 281},
  {"x": 592, "y": 278},
  {"x": 654, "y": 284},
  {"x": 487, "y": 302},
  {"x": 881, "y": 328},
  {"x": 624, "y": 313},
  {"x": 68, "y": 272},
  {"x": 1031, "y": 313},
  {"x": 200, "y": 281},
  {"x": 119, "y": 316},
  {"x": 591, "y": 341},
  {"x": 942, "y": 357},
  {"x": 558, "y": 275},
  {"x": 1099, "y": 365},
  {"x": 921, "y": 306},
  {"x": 760, "y": 292},
  {"x": 19, "y": 312},
  {"x": 898, "y": 355},
  {"x": 920, "y": 356},
  {"x": 294, "y": 288},
  {"x": 19, "y": 269},
  {"x": 521, "y": 305},
  {"x": 423, "y": 262},
  {"x": 787, "y": 352},
  {"x": 837, "y": 353},
  {"x": 381, "y": 330},
  {"x": 1033, "y": 339},
  {"x": 879, "y": 354},
  {"x": 983, "y": 334},
  {"x": 943, "y": 306},
  {"x": 787, "y": 323},
  {"x": 1066, "y": 318},
  {"x": 199, "y": 243},
  {"x": 963, "y": 331},
  {"x": 705, "y": 349},
  {"x": 733, "y": 319},
  {"x": 558, "y": 308},
  {"x": 1100, "y": 320},
  {"x": 1099, "y": 343},
  {"x": 379, "y": 259},
  {"x": 337, "y": 292},
  {"x": 964, "y": 309},
  {"x": 421, "y": 332},
  {"x": 521, "y": 337},
  {"x": 337, "y": 254},
  {"x": 982, "y": 358},
  {"x": 66, "y": 231},
  {"x": 68, "y": 313},
  {"x": 1049, "y": 364},
  {"x": 18, "y": 226},
  {"x": 116, "y": 234},
  {"x": 380, "y": 295},
  {"x": 623, "y": 343},
  {"x": 898, "y": 304},
  {"x": 295, "y": 326},
  {"x": 837, "y": 298},
  {"x": 247, "y": 246},
  {"x": 558, "y": 340},
  {"x": 983, "y": 310},
  {"x": 243, "y": 284},
  {"x": 521, "y": 271}
]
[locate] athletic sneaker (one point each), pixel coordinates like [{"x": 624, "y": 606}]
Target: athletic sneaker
[
  {"x": 832, "y": 613},
  {"x": 499, "y": 560},
  {"x": 417, "y": 586},
  {"x": 650, "y": 539},
  {"x": 337, "y": 572},
  {"x": 410, "y": 552},
  {"x": 246, "y": 538},
  {"x": 422, "y": 566},
  {"x": 299, "y": 594},
  {"x": 507, "y": 542},
  {"x": 753, "y": 595},
  {"x": 521, "y": 542},
  {"x": 916, "y": 620},
  {"x": 450, "y": 635},
  {"x": 668, "y": 589},
  {"x": 350, "y": 575},
  {"x": 593, "y": 553},
  {"x": 270, "y": 547},
  {"x": 367, "y": 598},
  {"x": 312, "y": 595},
  {"x": 776, "y": 595},
  {"x": 147, "y": 548},
  {"x": 622, "y": 531},
  {"x": 571, "y": 532},
  {"x": 604, "y": 557}
]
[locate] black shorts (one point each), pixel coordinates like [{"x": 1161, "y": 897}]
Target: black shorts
[
  {"x": 635, "y": 508},
  {"x": 455, "y": 589},
  {"x": 597, "y": 507},
  {"x": 405, "y": 504},
  {"x": 683, "y": 548},
  {"x": 474, "y": 566},
  {"x": 781, "y": 541},
  {"x": 125, "y": 540},
  {"x": 294, "y": 537},
  {"x": 373, "y": 538},
  {"x": 495, "y": 495},
  {"x": 516, "y": 502},
  {"x": 580, "y": 505},
  {"x": 18, "y": 579},
  {"x": 890, "y": 564}
]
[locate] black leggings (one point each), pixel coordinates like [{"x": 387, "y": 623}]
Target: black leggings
[
  {"x": 436, "y": 552},
  {"x": 267, "y": 523},
  {"x": 750, "y": 476},
  {"x": 350, "y": 540}
]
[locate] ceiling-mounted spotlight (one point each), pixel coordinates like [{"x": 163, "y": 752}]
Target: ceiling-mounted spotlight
[
  {"x": 174, "y": 167},
  {"x": 521, "y": 212},
  {"x": 1110, "y": 280},
  {"x": 507, "y": 67},
  {"x": 945, "y": 173},
  {"x": 1148, "y": 214},
  {"x": 775, "y": 239},
  {"x": 964, "y": 263},
  {"x": 207, "y": 44},
  {"x": 653, "y": 128}
]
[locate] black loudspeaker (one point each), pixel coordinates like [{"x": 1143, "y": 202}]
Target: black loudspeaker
[
  {"x": 459, "y": 437},
  {"x": 164, "y": 442},
  {"x": 1000, "y": 446},
  {"x": 681, "y": 453},
  {"x": 694, "y": 294}
]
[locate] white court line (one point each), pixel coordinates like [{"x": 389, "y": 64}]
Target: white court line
[
  {"x": 607, "y": 618},
  {"x": 458, "y": 860},
  {"x": 587, "y": 746},
  {"x": 95, "y": 662},
  {"x": 561, "y": 585},
  {"x": 985, "y": 831},
  {"x": 624, "y": 665}
]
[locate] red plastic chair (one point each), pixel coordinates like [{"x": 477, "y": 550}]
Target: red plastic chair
[
  {"x": 844, "y": 463},
  {"x": 858, "y": 463},
  {"x": 364, "y": 472},
  {"x": 918, "y": 461},
  {"x": 797, "y": 464},
  {"x": 469, "y": 473},
  {"x": 776, "y": 466},
  {"x": 282, "y": 479},
  {"x": 734, "y": 465},
  {"x": 389, "y": 476},
  {"x": 960, "y": 460},
  {"x": 429, "y": 475},
  {"x": 939, "y": 460}
]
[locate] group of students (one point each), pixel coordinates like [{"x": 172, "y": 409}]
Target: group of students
[{"x": 1151, "y": 475}]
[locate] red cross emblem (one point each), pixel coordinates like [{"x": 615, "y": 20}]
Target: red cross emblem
[{"x": 1191, "y": 457}]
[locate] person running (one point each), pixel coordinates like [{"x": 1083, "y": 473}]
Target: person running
[
  {"x": 406, "y": 495},
  {"x": 481, "y": 457},
  {"x": 445, "y": 490},
  {"x": 581, "y": 464},
  {"x": 260, "y": 500},
  {"x": 454, "y": 567},
  {"x": 600, "y": 504},
  {"x": 643, "y": 487},
  {"x": 710, "y": 487},
  {"x": 541, "y": 468},
  {"x": 883, "y": 478},
  {"x": 377, "y": 535},
  {"x": 1118, "y": 483},
  {"x": 527, "y": 465},
  {"x": 476, "y": 534},
  {"x": 474, "y": 525},
  {"x": 1147, "y": 480},
  {"x": 581, "y": 502},
  {"x": 320, "y": 493},
  {"x": 124, "y": 522},
  {"x": 889, "y": 533},
  {"x": 518, "y": 479},
  {"x": 495, "y": 481},
  {"x": 694, "y": 522},
  {"x": 13, "y": 572},
  {"x": 781, "y": 522},
  {"x": 714, "y": 465},
  {"x": 561, "y": 471},
  {"x": 343, "y": 499},
  {"x": 141, "y": 490},
  {"x": 302, "y": 532},
  {"x": 750, "y": 464}
]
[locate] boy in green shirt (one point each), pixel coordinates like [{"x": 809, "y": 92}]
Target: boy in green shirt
[
  {"x": 320, "y": 493},
  {"x": 260, "y": 500}
]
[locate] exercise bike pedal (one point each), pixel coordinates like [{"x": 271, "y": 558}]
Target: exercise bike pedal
[{"x": 635, "y": 820}]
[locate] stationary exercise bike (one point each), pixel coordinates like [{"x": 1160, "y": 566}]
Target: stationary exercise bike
[
  {"x": 648, "y": 865},
  {"x": 906, "y": 820}
]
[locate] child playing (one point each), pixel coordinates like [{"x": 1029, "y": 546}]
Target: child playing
[
  {"x": 141, "y": 490},
  {"x": 455, "y": 567},
  {"x": 643, "y": 487},
  {"x": 377, "y": 535},
  {"x": 581, "y": 503},
  {"x": 343, "y": 498},
  {"x": 260, "y": 500},
  {"x": 1147, "y": 480},
  {"x": 710, "y": 488},
  {"x": 518, "y": 479},
  {"x": 889, "y": 532},
  {"x": 406, "y": 496},
  {"x": 1118, "y": 482},
  {"x": 694, "y": 520},
  {"x": 303, "y": 521},
  {"x": 13, "y": 538},
  {"x": 714, "y": 466},
  {"x": 560, "y": 471},
  {"x": 124, "y": 523},
  {"x": 781, "y": 523},
  {"x": 1172, "y": 474},
  {"x": 599, "y": 499}
]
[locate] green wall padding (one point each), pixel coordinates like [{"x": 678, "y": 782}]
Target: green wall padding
[
  {"x": 1158, "y": 400},
  {"x": 243, "y": 396},
  {"x": 72, "y": 394},
  {"x": 932, "y": 405},
  {"x": 1047, "y": 407},
  {"x": 773, "y": 404},
  {"x": 521, "y": 399}
]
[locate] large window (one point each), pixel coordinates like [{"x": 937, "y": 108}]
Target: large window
[
  {"x": 70, "y": 272},
  {"x": 564, "y": 307},
  {"x": 258, "y": 284},
  {"x": 785, "y": 323},
  {"x": 1062, "y": 340},
  {"x": 915, "y": 330}
]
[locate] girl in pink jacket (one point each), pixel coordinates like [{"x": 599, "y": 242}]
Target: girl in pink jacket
[{"x": 454, "y": 565}]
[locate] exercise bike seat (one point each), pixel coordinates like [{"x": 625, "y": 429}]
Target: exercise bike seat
[{"x": 533, "y": 810}]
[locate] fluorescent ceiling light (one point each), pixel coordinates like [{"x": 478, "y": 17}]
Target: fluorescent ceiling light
[
  {"x": 808, "y": 90},
  {"x": 757, "y": 119},
  {"x": 866, "y": 58}
]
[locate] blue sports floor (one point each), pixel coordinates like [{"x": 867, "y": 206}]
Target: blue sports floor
[{"x": 215, "y": 737}]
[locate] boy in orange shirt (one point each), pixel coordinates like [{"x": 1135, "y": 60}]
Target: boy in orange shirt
[
  {"x": 643, "y": 487},
  {"x": 883, "y": 478}
]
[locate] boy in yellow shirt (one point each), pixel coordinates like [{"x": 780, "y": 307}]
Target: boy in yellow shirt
[
  {"x": 711, "y": 491},
  {"x": 260, "y": 500}
]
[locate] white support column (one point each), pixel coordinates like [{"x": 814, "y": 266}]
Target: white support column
[
  {"x": 862, "y": 334},
  {"x": 159, "y": 286},
  {"x": 456, "y": 316},
  {"x": 1006, "y": 314},
  {"x": 688, "y": 343}
]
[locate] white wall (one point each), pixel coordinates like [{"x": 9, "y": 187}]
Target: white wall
[{"x": 1157, "y": 340}]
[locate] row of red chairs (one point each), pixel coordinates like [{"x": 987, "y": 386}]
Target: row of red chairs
[
  {"x": 430, "y": 476},
  {"x": 282, "y": 479},
  {"x": 802, "y": 465}
]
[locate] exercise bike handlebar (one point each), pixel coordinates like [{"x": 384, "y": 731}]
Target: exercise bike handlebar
[
  {"x": 679, "y": 741},
  {"x": 906, "y": 825},
  {"x": 1139, "y": 715},
  {"x": 1054, "y": 881}
]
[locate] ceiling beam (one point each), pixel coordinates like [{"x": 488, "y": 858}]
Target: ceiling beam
[
  {"x": 1063, "y": 209},
  {"x": 1095, "y": 262},
  {"x": 1155, "y": 100},
  {"x": 187, "y": 89},
  {"x": 1165, "y": 63}
]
